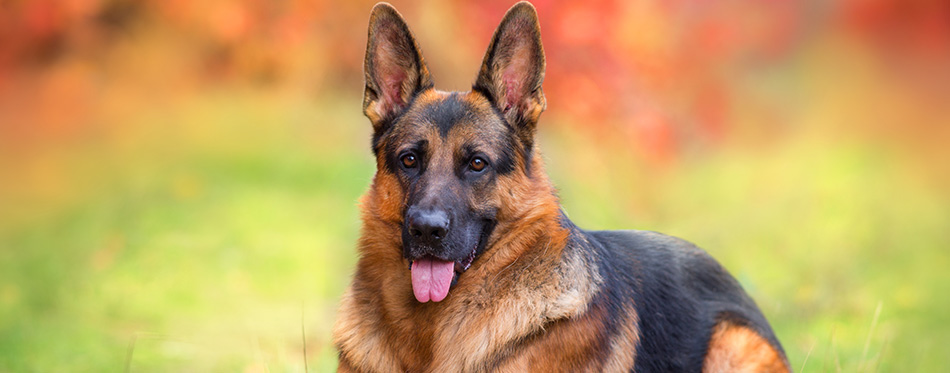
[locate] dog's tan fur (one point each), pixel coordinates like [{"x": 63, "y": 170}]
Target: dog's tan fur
[{"x": 734, "y": 348}]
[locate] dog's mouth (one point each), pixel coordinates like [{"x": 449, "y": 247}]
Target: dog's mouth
[{"x": 432, "y": 277}]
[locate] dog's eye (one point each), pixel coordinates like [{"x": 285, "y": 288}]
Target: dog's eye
[
  {"x": 477, "y": 164},
  {"x": 408, "y": 160}
]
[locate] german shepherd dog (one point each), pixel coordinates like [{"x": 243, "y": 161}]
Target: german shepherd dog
[{"x": 468, "y": 264}]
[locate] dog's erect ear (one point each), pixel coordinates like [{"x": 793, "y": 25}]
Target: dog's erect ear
[
  {"x": 513, "y": 69},
  {"x": 394, "y": 68}
]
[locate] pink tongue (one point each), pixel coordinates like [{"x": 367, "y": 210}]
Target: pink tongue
[{"x": 431, "y": 279}]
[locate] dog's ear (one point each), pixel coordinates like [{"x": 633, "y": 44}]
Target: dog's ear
[
  {"x": 513, "y": 69},
  {"x": 394, "y": 68}
]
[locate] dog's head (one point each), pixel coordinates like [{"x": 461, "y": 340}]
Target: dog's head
[{"x": 449, "y": 164}]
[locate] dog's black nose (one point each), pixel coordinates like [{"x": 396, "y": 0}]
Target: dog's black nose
[{"x": 427, "y": 226}]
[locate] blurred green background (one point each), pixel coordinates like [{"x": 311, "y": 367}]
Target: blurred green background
[{"x": 179, "y": 180}]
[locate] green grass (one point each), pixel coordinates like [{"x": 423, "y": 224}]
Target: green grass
[{"x": 215, "y": 232}]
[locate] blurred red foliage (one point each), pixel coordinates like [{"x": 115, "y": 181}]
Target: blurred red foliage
[
  {"x": 656, "y": 70},
  {"x": 911, "y": 37},
  {"x": 661, "y": 73}
]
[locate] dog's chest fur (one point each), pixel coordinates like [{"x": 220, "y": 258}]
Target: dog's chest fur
[{"x": 530, "y": 313}]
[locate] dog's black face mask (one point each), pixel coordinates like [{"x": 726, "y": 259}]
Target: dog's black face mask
[
  {"x": 440, "y": 221},
  {"x": 447, "y": 153},
  {"x": 449, "y": 150},
  {"x": 441, "y": 230}
]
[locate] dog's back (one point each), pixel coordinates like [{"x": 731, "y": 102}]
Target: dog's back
[{"x": 682, "y": 297}]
